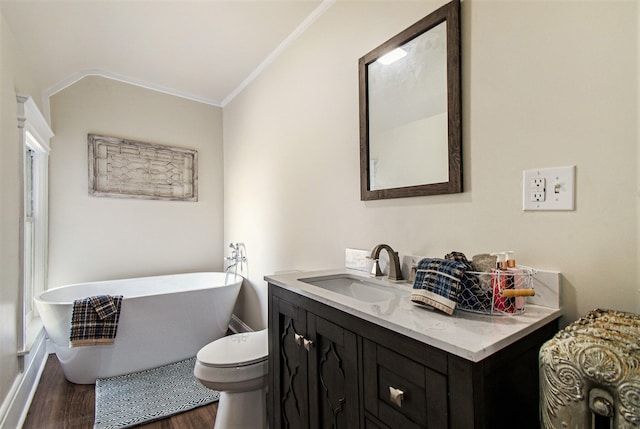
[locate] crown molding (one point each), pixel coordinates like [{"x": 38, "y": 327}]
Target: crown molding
[
  {"x": 315, "y": 14},
  {"x": 125, "y": 79}
]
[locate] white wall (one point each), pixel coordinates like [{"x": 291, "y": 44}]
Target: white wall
[
  {"x": 98, "y": 238},
  {"x": 10, "y": 212},
  {"x": 545, "y": 84},
  {"x": 638, "y": 151},
  {"x": 15, "y": 76}
]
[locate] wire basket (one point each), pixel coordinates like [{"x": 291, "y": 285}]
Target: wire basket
[{"x": 499, "y": 292}]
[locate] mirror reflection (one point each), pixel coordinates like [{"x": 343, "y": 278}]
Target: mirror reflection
[{"x": 408, "y": 113}]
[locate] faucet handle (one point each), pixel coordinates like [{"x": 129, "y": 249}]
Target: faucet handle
[{"x": 375, "y": 269}]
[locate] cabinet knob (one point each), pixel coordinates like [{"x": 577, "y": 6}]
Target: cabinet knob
[
  {"x": 308, "y": 344},
  {"x": 298, "y": 339},
  {"x": 396, "y": 396}
]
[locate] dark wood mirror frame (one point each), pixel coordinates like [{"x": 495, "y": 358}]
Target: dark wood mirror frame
[{"x": 451, "y": 14}]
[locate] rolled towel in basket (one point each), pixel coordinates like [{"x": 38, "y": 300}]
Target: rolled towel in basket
[
  {"x": 473, "y": 295},
  {"x": 437, "y": 283},
  {"x": 484, "y": 263}
]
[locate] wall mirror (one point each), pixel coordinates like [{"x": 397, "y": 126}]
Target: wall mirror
[{"x": 410, "y": 111}]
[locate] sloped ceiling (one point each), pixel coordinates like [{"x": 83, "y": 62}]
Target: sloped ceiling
[{"x": 204, "y": 50}]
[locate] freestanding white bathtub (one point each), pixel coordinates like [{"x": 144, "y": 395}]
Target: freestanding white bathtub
[{"x": 163, "y": 319}]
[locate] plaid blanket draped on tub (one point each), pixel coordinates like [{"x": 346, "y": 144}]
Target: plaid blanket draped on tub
[{"x": 95, "y": 320}]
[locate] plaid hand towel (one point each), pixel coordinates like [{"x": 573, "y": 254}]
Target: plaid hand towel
[
  {"x": 88, "y": 326},
  {"x": 437, "y": 283},
  {"x": 103, "y": 305}
]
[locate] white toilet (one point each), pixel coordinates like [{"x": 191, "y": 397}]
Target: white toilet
[{"x": 236, "y": 366}]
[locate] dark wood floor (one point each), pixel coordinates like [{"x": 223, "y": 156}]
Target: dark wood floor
[{"x": 59, "y": 404}]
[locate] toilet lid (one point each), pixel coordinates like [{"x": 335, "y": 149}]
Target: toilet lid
[{"x": 236, "y": 350}]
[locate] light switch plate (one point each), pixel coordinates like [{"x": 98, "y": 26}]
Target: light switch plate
[{"x": 549, "y": 189}]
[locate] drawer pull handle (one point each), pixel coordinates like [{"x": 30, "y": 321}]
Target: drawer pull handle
[
  {"x": 396, "y": 396},
  {"x": 308, "y": 344},
  {"x": 298, "y": 339}
]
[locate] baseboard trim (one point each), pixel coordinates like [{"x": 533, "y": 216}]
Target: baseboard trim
[
  {"x": 236, "y": 325},
  {"x": 27, "y": 382}
]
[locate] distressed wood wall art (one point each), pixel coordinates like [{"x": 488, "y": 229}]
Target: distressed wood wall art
[{"x": 131, "y": 169}]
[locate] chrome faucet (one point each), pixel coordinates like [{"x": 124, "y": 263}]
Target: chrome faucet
[
  {"x": 238, "y": 257},
  {"x": 395, "y": 272}
]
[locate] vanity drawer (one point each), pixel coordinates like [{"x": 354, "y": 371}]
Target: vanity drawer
[{"x": 401, "y": 392}]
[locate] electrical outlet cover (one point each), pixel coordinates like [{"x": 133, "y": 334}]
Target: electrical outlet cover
[{"x": 558, "y": 188}]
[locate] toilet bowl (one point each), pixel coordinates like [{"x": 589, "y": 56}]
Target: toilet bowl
[{"x": 236, "y": 366}]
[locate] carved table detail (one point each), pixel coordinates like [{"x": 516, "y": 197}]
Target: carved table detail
[{"x": 590, "y": 373}]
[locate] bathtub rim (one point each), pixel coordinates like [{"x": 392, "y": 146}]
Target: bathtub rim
[{"x": 237, "y": 278}]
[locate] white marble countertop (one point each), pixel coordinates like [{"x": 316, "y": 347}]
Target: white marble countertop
[{"x": 470, "y": 336}]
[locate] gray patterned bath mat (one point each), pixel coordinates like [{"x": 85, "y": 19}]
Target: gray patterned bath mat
[{"x": 134, "y": 399}]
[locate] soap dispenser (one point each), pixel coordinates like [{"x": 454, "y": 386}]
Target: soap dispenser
[
  {"x": 501, "y": 279},
  {"x": 517, "y": 278},
  {"x": 501, "y": 260}
]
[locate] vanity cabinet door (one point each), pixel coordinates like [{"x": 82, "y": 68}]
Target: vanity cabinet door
[
  {"x": 333, "y": 375},
  {"x": 314, "y": 370},
  {"x": 288, "y": 366}
]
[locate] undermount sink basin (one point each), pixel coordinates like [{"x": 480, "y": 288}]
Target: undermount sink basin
[{"x": 360, "y": 288}]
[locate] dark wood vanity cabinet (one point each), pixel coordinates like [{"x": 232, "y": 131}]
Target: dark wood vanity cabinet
[
  {"x": 315, "y": 370},
  {"x": 330, "y": 369},
  {"x": 401, "y": 392}
]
